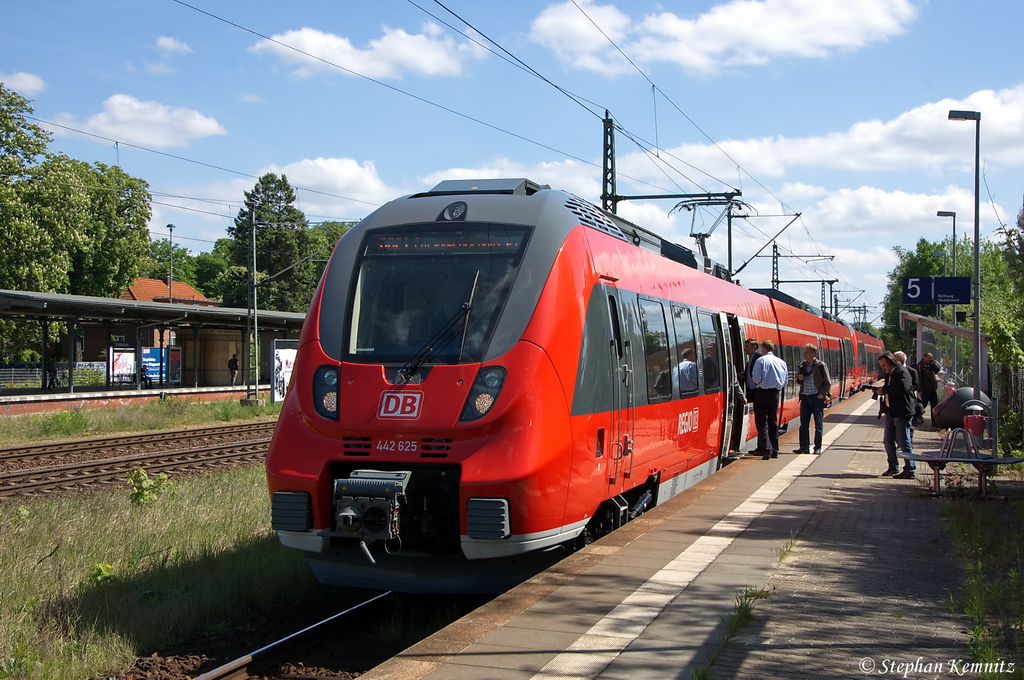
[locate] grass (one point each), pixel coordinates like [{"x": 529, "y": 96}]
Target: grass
[
  {"x": 787, "y": 547},
  {"x": 741, "y": 615},
  {"x": 92, "y": 580},
  {"x": 158, "y": 415},
  {"x": 990, "y": 546}
]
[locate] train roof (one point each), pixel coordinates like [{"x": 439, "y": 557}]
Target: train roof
[
  {"x": 589, "y": 215},
  {"x": 596, "y": 218}
]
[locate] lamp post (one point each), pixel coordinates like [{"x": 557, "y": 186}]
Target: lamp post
[
  {"x": 951, "y": 213},
  {"x": 976, "y": 117},
  {"x": 938, "y": 307},
  {"x": 170, "y": 274}
]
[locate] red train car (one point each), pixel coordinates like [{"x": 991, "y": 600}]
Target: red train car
[{"x": 493, "y": 372}]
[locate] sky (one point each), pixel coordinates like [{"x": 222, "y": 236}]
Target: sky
[{"x": 834, "y": 109}]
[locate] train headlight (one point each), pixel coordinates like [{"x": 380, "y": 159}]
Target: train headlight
[
  {"x": 325, "y": 391},
  {"x": 483, "y": 393}
]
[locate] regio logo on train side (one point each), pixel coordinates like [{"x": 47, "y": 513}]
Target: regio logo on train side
[
  {"x": 688, "y": 421},
  {"x": 400, "y": 405}
]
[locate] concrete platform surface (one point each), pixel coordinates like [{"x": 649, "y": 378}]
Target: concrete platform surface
[{"x": 855, "y": 566}]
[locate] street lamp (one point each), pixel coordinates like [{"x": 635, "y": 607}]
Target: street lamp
[
  {"x": 938, "y": 307},
  {"x": 976, "y": 117},
  {"x": 950, "y": 213},
  {"x": 170, "y": 274}
]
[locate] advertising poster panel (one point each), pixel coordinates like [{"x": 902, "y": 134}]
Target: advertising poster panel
[{"x": 284, "y": 360}]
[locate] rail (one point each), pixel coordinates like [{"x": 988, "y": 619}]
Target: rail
[
  {"x": 27, "y": 478},
  {"x": 100, "y": 443},
  {"x": 238, "y": 669}
]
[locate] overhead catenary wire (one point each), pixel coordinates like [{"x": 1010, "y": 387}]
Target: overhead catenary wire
[
  {"x": 191, "y": 160},
  {"x": 657, "y": 89},
  {"x": 633, "y": 137}
]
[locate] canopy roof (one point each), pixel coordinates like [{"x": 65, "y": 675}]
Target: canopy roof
[{"x": 82, "y": 308}]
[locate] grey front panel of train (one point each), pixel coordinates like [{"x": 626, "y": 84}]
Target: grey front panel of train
[{"x": 544, "y": 211}]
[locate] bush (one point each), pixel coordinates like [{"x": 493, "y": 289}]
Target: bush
[{"x": 63, "y": 423}]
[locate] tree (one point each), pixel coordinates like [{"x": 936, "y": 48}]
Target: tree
[
  {"x": 1013, "y": 250},
  {"x": 157, "y": 262},
  {"x": 66, "y": 226},
  {"x": 208, "y": 267},
  {"x": 290, "y": 254}
]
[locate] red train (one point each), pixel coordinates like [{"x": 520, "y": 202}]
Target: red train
[{"x": 492, "y": 373}]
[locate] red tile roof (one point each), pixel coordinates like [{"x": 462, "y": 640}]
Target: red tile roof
[{"x": 155, "y": 290}]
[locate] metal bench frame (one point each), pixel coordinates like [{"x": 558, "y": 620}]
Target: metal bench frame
[{"x": 984, "y": 464}]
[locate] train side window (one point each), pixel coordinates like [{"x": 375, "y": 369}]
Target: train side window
[
  {"x": 659, "y": 365},
  {"x": 686, "y": 351},
  {"x": 711, "y": 362}
]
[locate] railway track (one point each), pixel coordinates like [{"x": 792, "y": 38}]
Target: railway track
[
  {"x": 277, "y": 652},
  {"x": 42, "y": 451},
  {"x": 88, "y": 463}
]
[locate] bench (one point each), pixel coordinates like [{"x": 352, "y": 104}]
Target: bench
[{"x": 984, "y": 464}]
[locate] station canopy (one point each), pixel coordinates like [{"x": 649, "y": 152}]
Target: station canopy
[{"x": 85, "y": 309}]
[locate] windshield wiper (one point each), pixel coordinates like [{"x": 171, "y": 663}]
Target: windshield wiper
[
  {"x": 469, "y": 309},
  {"x": 430, "y": 347}
]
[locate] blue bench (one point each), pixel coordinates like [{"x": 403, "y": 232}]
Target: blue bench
[{"x": 984, "y": 464}]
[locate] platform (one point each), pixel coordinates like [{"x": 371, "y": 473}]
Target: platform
[
  {"x": 14, "y": 402},
  {"x": 863, "y": 585}
]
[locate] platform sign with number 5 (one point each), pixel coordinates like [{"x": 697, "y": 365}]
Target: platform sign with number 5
[{"x": 917, "y": 290}]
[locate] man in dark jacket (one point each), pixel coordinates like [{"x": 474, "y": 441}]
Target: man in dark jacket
[
  {"x": 927, "y": 374},
  {"x": 898, "y": 393}
]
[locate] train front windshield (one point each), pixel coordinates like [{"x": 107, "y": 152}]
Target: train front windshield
[{"x": 432, "y": 290}]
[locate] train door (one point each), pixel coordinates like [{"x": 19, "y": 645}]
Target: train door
[
  {"x": 737, "y": 423},
  {"x": 623, "y": 421}
]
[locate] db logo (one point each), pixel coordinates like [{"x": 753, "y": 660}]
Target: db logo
[{"x": 400, "y": 405}]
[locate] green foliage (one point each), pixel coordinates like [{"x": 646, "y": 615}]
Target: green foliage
[
  {"x": 208, "y": 267},
  {"x": 67, "y": 226},
  {"x": 146, "y": 488},
  {"x": 100, "y": 572},
  {"x": 63, "y": 423},
  {"x": 283, "y": 238},
  {"x": 157, "y": 263},
  {"x": 1004, "y": 348}
]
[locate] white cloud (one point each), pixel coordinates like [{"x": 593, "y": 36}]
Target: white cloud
[
  {"x": 920, "y": 139},
  {"x": 737, "y": 33},
  {"x": 25, "y": 84},
  {"x": 159, "y": 69},
  {"x": 169, "y": 44},
  {"x": 251, "y": 99},
  {"x": 430, "y": 52},
  {"x": 338, "y": 177},
  {"x": 572, "y": 176},
  {"x": 151, "y": 123}
]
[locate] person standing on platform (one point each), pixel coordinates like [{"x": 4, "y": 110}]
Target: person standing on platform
[
  {"x": 898, "y": 392},
  {"x": 51, "y": 374},
  {"x": 770, "y": 375},
  {"x": 233, "y": 367},
  {"x": 928, "y": 372},
  {"x": 815, "y": 389},
  {"x": 750, "y": 348}
]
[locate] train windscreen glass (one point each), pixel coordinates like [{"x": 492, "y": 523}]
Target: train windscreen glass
[{"x": 432, "y": 290}]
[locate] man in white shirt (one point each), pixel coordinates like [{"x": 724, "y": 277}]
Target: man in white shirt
[
  {"x": 688, "y": 372},
  {"x": 770, "y": 374}
]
